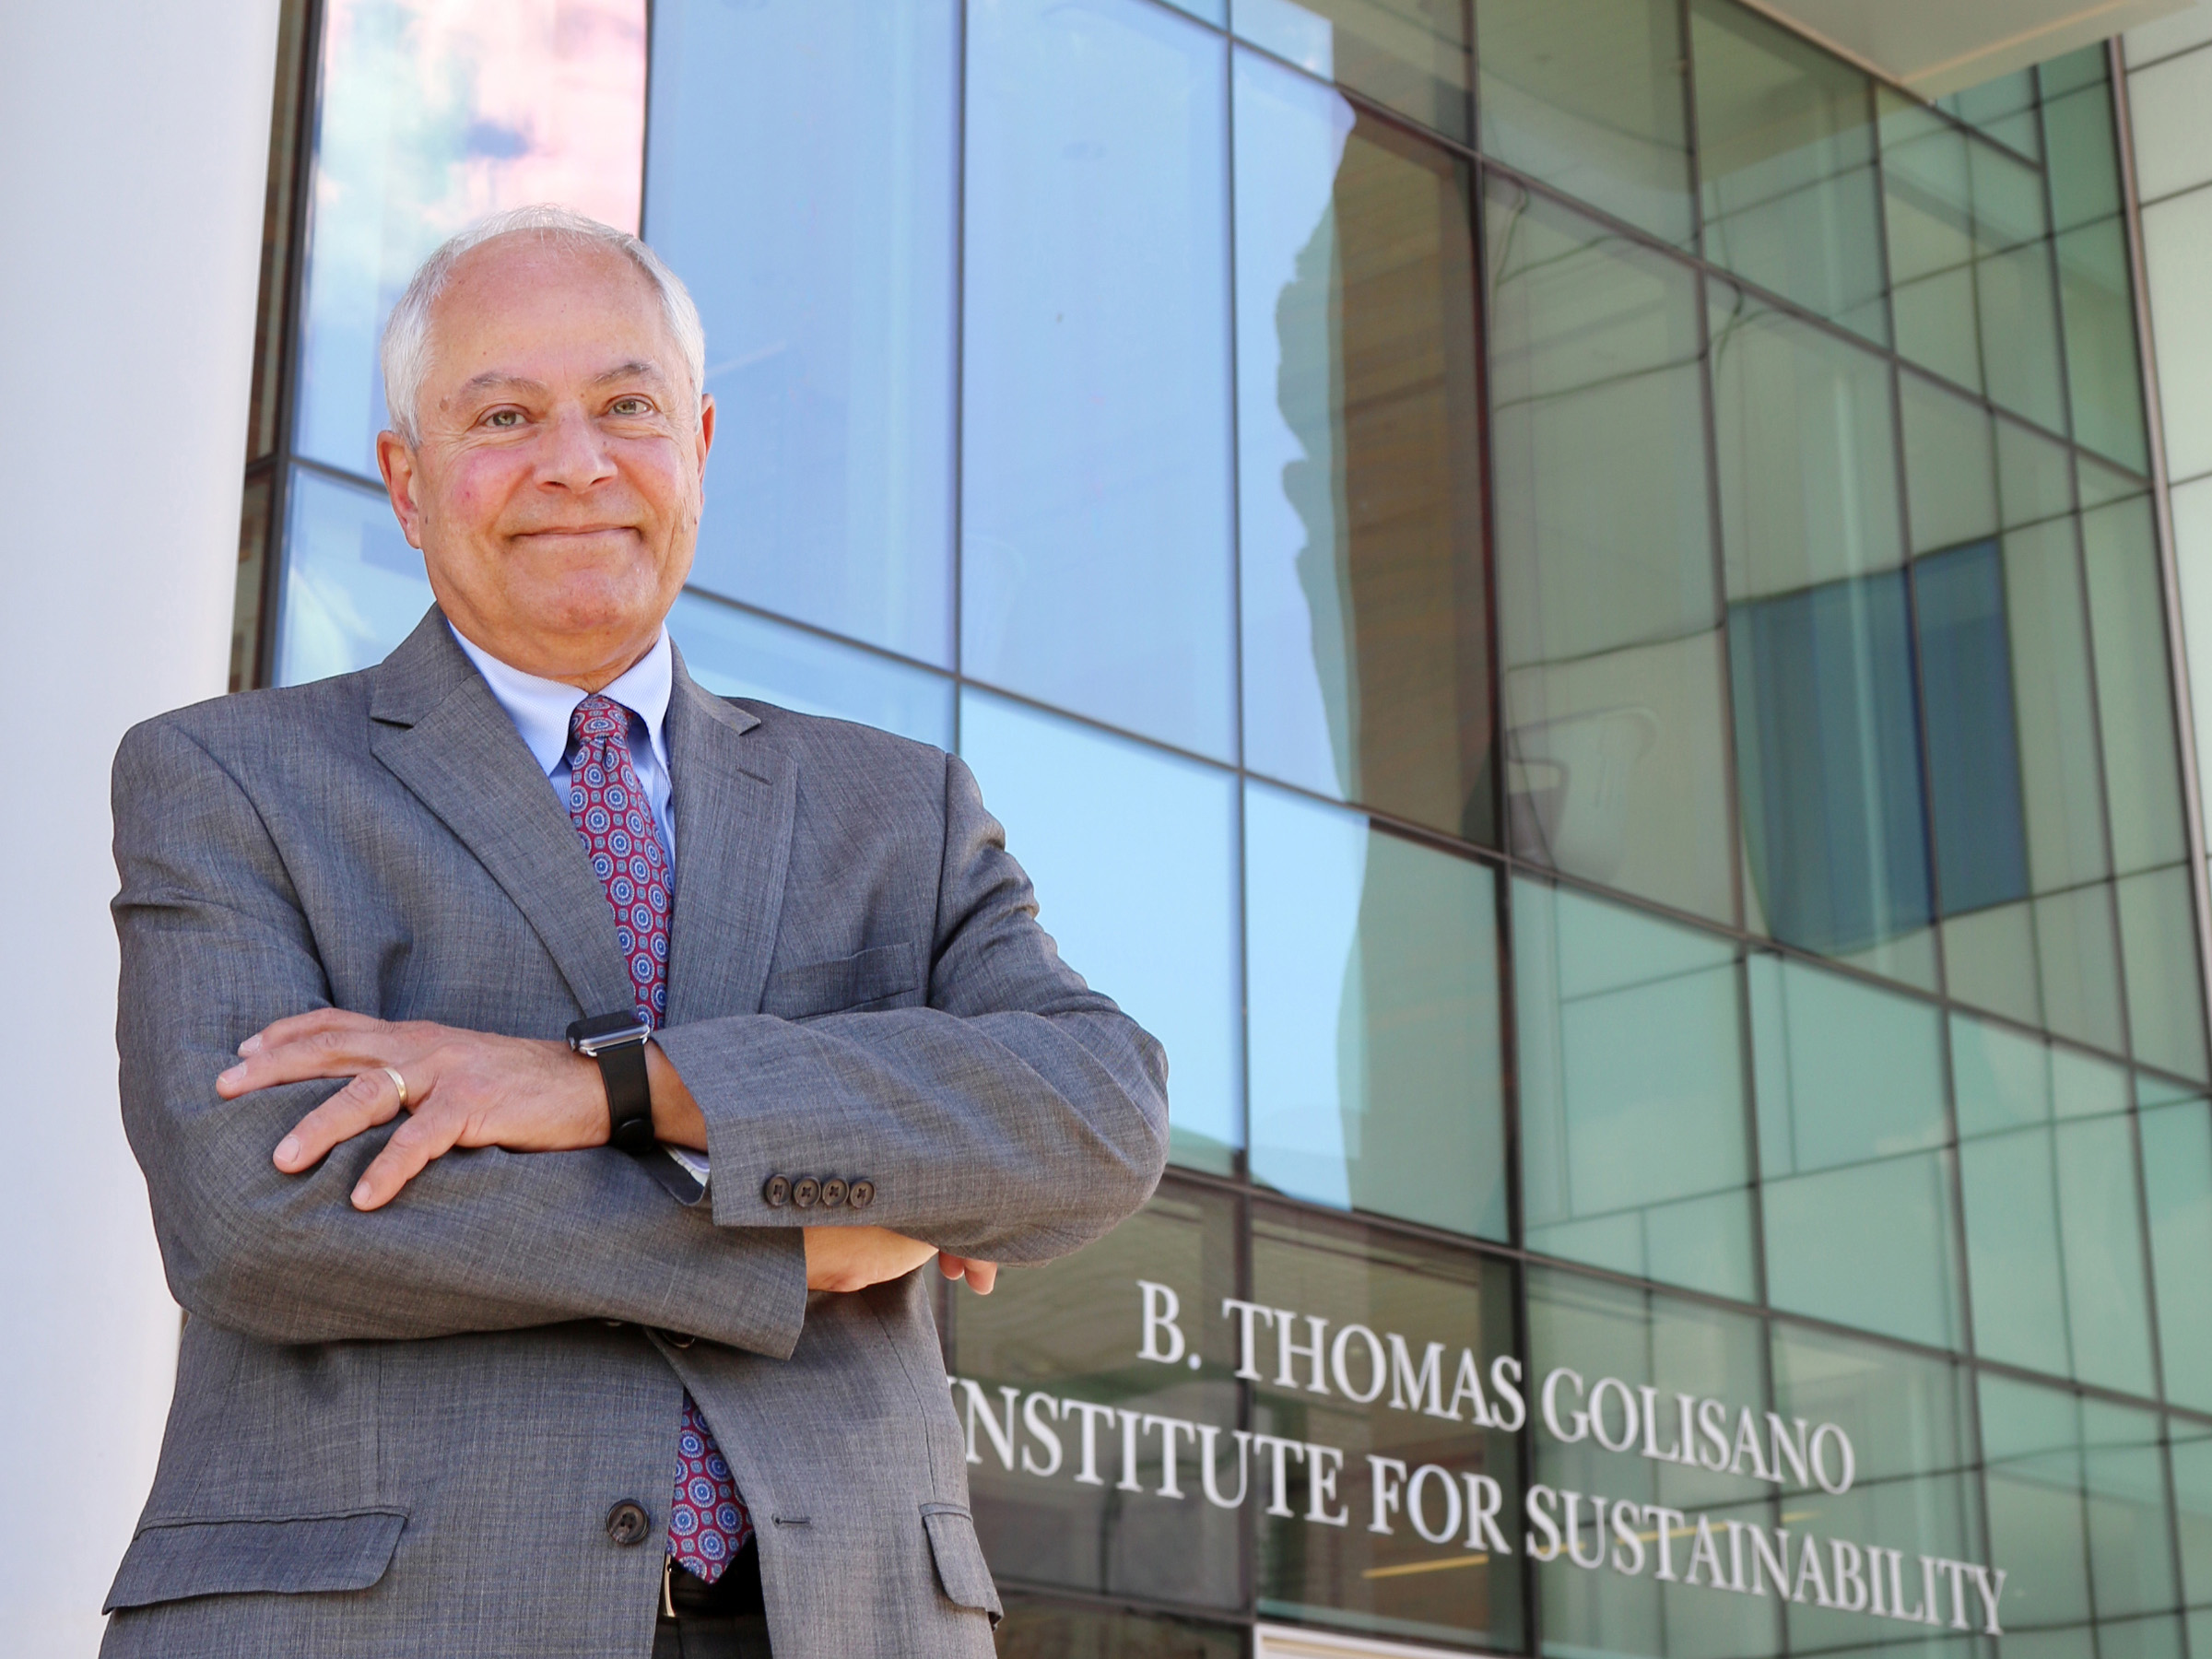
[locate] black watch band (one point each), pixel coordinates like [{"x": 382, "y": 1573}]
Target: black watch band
[{"x": 617, "y": 1042}]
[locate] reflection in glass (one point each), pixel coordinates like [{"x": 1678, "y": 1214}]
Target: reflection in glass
[
  {"x": 1366, "y": 634},
  {"x": 2177, "y": 1185},
  {"x": 2159, "y": 947},
  {"x": 1630, "y": 1057},
  {"x": 353, "y": 588},
  {"x": 1096, "y": 470},
  {"x": 2054, "y": 1222},
  {"x": 1785, "y": 148},
  {"x": 1828, "y": 739},
  {"x": 434, "y": 112},
  {"x": 1588, "y": 96},
  {"x": 1410, "y": 55},
  {"x": 801, "y": 180},
  {"x": 1036, "y": 1628},
  {"x": 2105, "y": 371},
  {"x": 1852, "y": 1124},
  {"x": 1646, "y": 1340},
  {"x": 735, "y": 652},
  {"x": 1054, "y": 1501},
  {"x": 1616, "y": 765},
  {"x": 1371, "y": 974},
  {"x": 1364, "y": 1296},
  {"x": 2077, "y": 1507},
  {"x": 1969, "y": 260},
  {"x": 1134, "y": 853}
]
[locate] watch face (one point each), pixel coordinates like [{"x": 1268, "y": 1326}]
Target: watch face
[{"x": 606, "y": 1030}]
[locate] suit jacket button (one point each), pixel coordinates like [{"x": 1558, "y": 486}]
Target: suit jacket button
[
  {"x": 860, "y": 1193},
  {"x": 833, "y": 1192},
  {"x": 776, "y": 1194},
  {"x": 626, "y": 1522},
  {"x": 804, "y": 1191}
]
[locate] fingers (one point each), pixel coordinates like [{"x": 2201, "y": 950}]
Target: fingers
[
  {"x": 370, "y": 1099},
  {"x": 413, "y": 1146},
  {"x": 328, "y": 1042},
  {"x": 980, "y": 1276}
]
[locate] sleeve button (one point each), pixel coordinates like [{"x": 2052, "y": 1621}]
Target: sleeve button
[
  {"x": 833, "y": 1192},
  {"x": 776, "y": 1194},
  {"x": 626, "y": 1522},
  {"x": 860, "y": 1193},
  {"x": 804, "y": 1191}
]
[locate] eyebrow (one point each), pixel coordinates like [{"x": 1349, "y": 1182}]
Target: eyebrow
[{"x": 493, "y": 380}]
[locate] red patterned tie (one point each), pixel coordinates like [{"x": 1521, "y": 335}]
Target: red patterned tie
[{"x": 708, "y": 1522}]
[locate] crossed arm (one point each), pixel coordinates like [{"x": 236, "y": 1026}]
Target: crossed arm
[
  {"x": 476, "y": 1089},
  {"x": 1020, "y": 1114}
]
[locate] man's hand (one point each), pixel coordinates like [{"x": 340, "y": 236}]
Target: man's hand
[
  {"x": 853, "y": 1258},
  {"x": 463, "y": 1088}
]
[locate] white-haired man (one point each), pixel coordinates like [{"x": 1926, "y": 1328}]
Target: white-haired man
[{"x": 587, "y": 1317}]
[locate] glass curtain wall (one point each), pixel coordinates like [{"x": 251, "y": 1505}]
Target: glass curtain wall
[{"x": 1562, "y": 595}]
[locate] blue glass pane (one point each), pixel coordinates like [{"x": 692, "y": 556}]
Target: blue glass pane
[
  {"x": 802, "y": 183},
  {"x": 1408, "y": 54},
  {"x": 733, "y": 653},
  {"x": 1372, "y": 973},
  {"x": 1135, "y": 856},
  {"x": 1827, "y": 745},
  {"x": 353, "y": 588},
  {"x": 1096, "y": 527},
  {"x": 1973, "y": 735},
  {"x": 432, "y": 115}
]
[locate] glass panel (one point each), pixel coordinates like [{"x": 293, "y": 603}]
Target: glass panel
[
  {"x": 2004, "y": 109},
  {"x": 1363, "y": 1300},
  {"x": 1365, "y": 615},
  {"x": 1037, "y": 1629},
  {"x": 2134, "y": 685},
  {"x": 2165, "y": 982},
  {"x": 1857, "y": 1200},
  {"x": 802, "y": 181},
  {"x": 1372, "y": 969},
  {"x": 2013, "y": 1249},
  {"x": 1064, "y": 1494},
  {"x": 733, "y": 653},
  {"x": 1969, "y": 252},
  {"x": 1587, "y": 95},
  {"x": 2077, "y": 953},
  {"x": 2192, "y": 1462},
  {"x": 1134, "y": 853},
  {"x": 432, "y": 115},
  {"x": 1410, "y": 55},
  {"x": 1785, "y": 145},
  {"x": 353, "y": 588},
  {"x": 1653, "y": 1348},
  {"x": 2177, "y": 1183},
  {"x": 2102, "y": 1216},
  {"x": 2085, "y": 158},
  {"x": 1096, "y": 468},
  {"x": 2103, "y": 370},
  {"x": 1630, "y": 1061},
  {"x": 1827, "y": 739},
  {"x": 1617, "y": 759}
]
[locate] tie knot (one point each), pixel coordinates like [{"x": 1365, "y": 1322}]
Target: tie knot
[{"x": 598, "y": 720}]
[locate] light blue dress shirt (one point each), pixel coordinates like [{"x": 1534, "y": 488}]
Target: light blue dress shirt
[{"x": 541, "y": 710}]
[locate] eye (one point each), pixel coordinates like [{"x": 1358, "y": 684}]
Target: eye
[
  {"x": 629, "y": 406},
  {"x": 503, "y": 420}
]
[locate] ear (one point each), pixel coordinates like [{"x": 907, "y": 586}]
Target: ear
[{"x": 395, "y": 461}]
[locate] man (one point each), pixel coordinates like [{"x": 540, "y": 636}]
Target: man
[{"x": 460, "y": 1376}]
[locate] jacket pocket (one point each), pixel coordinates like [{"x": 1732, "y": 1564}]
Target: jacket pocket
[
  {"x": 961, "y": 1570},
  {"x": 172, "y": 1559},
  {"x": 851, "y": 981}
]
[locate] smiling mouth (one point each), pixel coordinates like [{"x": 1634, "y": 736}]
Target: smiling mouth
[{"x": 566, "y": 531}]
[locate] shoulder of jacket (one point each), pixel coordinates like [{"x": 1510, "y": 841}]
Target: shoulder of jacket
[
  {"x": 248, "y": 720},
  {"x": 820, "y": 738}
]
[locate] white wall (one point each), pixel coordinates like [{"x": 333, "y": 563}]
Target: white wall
[
  {"x": 2168, "y": 89},
  {"x": 133, "y": 152}
]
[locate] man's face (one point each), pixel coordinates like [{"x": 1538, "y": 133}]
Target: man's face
[{"x": 557, "y": 487}]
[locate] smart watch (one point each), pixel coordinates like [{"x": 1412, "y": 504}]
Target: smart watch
[{"x": 617, "y": 1042}]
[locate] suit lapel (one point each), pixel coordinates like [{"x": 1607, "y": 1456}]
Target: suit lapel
[
  {"x": 735, "y": 796},
  {"x": 436, "y": 725}
]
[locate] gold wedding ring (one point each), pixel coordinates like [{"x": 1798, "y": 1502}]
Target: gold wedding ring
[{"x": 398, "y": 1082}]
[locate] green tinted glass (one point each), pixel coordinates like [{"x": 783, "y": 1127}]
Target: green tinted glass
[
  {"x": 1372, "y": 992},
  {"x": 2165, "y": 982},
  {"x": 2177, "y": 1185},
  {"x": 1408, "y": 55},
  {"x": 2085, "y": 161},
  {"x": 1617, "y": 768},
  {"x": 1036, "y": 1628},
  {"x": 1786, "y": 151},
  {"x": 2105, "y": 373},
  {"x": 2190, "y": 1450},
  {"x": 1632, "y": 1111},
  {"x": 1587, "y": 95}
]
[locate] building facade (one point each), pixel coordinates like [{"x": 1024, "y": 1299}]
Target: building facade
[{"x": 1577, "y": 603}]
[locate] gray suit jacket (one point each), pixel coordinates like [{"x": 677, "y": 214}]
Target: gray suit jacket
[{"x": 401, "y": 1433}]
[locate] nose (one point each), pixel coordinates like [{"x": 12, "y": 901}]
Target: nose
[{"x": 575, "y": 455}]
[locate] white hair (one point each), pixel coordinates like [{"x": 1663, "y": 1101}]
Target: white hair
[{"x": 406, "y": 347}]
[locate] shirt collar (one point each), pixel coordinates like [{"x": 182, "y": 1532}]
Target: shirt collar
[{"x": 541, "y": 709}]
